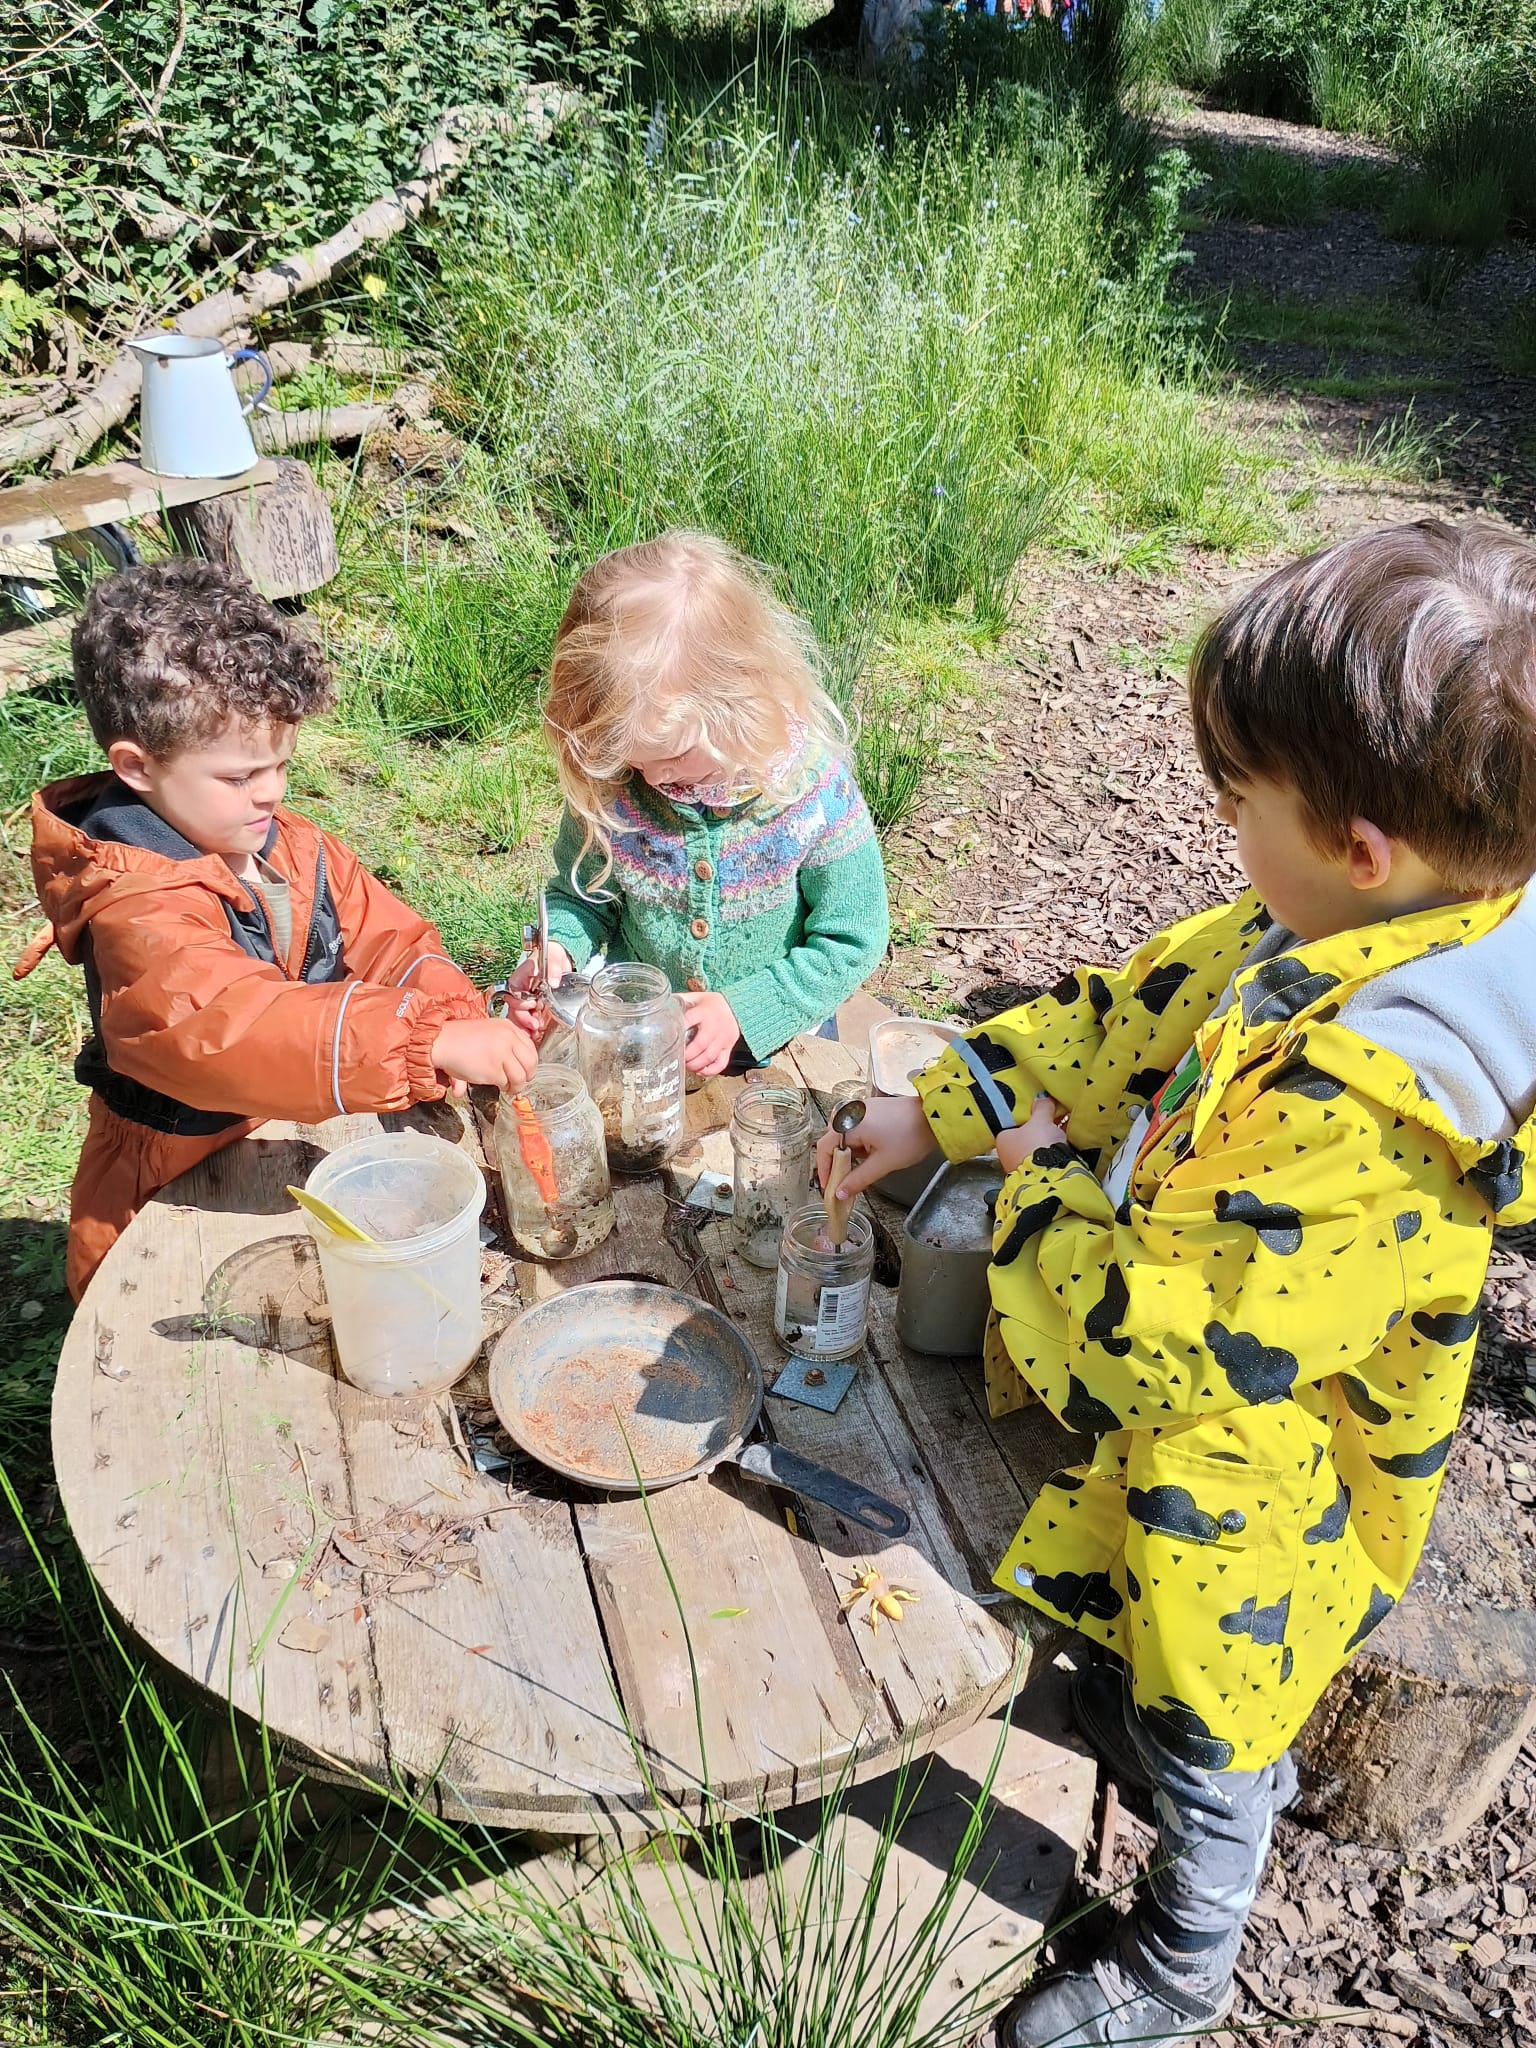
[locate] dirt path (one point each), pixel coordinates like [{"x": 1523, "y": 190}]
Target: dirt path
[{"x": 1088, "y": 826}]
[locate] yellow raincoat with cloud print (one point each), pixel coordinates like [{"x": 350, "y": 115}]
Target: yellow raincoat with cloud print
[{"x": 1269, "y": 1332}]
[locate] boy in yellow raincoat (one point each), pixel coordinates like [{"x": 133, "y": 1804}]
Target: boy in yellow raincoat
[{"x": 1252, "y": 1179}]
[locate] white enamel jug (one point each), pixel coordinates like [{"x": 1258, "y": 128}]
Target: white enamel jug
[{"x": 192, "y": 421}]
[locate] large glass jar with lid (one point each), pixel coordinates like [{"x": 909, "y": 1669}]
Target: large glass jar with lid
[
  {"x": 771, "y": 1140},
  {"x": 554, "y": 1165},
  {"x": 631, "y": 1035}
]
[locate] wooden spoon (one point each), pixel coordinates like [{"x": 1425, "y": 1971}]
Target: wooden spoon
[{"x": 844, "y": 1120}]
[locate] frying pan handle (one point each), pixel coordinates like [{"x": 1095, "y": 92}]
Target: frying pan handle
[{"x": 779, "y": 1467}]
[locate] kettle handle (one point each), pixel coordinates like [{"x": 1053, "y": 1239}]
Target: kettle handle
[{"x": 252, "y": 355}]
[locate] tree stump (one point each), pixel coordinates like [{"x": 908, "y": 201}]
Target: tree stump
[
  {"x": 1413, "y": 1739},
  {"x": 279, "y": 535}
]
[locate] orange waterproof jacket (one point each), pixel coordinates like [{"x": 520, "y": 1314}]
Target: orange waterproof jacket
[{"x": 196, "y": 1034}]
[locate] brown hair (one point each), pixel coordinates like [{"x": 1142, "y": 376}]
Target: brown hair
[
  {"x": 167, "y": 652},
  {"x": 1390, "y": 677},
  {"x": 675, "y": 643}
]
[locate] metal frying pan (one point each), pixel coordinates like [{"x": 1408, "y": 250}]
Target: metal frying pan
[{"x": 626, "y": 1386}]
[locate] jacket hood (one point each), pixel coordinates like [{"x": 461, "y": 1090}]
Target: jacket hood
[
  {"x": 95, "y": 841},
  {"x": 1432, "y": 1015}
]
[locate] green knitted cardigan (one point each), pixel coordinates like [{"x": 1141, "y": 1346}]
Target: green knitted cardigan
[{"x": 778, "y": 903}]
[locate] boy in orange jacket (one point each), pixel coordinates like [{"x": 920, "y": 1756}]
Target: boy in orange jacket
[{"x": 240, "y": 963}]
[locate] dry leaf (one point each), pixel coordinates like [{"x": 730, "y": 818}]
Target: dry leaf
[
  {"x": 413, "y": 1582},
  {"x": 279, "y": 1568},
  {"x": 302, "y": 1633}
]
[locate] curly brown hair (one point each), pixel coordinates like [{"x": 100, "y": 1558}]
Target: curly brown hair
[{"x": 165, "y": 653}]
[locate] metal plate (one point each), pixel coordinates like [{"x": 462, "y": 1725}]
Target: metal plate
[{"x": 622, "y": 1383}]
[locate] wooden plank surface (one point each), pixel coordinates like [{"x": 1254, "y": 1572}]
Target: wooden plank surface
[
  {"x": 46, "y": 507},
  {"x": 214, "y": 1467}
]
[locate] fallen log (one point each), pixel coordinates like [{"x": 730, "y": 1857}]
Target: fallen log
[
  {"x": 70, "y": 434},
  {"x": 277, "y": 433}
]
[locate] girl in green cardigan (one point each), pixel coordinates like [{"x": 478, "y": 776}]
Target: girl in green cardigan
[{"x": 712, "y": 825}]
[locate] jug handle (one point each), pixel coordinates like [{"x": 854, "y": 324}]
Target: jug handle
[{"x": 252, "y": 355}]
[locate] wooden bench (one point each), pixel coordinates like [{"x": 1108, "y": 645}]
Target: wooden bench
[{"x": 272, "y": 522}]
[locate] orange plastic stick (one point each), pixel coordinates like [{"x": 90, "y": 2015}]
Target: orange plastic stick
[{"x": 538, "y": 1156}]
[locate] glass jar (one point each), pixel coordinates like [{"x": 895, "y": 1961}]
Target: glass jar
[
  {"x": 554, "y": 1168},
  {"x": 772, "y": 1145},
  {"x": 821, "y": 1303},
  {"x": 631, "y": 1035}
]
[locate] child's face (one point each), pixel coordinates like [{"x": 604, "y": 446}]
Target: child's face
[
  {"x": 1317, "y": 894},
  {"x": 221, "y": 795},
  {"x": 662, "y": 771}
]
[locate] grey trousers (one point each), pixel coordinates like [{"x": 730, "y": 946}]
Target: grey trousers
[{"x": 1213, "y": 1836}]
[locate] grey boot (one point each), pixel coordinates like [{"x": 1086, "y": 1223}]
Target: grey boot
[{"x": 1107, "y": 2005}]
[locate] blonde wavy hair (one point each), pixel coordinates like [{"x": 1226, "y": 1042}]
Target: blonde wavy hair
[{"x": 672, "y": 644}]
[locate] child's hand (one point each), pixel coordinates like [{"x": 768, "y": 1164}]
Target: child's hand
[
  {"x": 712, "y": 1032},
  {"x": 490, "y": 1052},
  {"x": 1041, "y": 1128},
  {"x": 893, "y": 1133},
  {"x": 560, "y": 964}
]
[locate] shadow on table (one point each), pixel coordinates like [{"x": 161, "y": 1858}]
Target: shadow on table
[{"x": 268, "y": 1296}]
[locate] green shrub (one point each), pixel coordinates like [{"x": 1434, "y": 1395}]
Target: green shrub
[{"x": 167, "y": 141}]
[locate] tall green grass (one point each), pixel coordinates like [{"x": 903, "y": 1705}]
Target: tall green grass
[
  {"x": 165, "y": 1883},
  {"x": 1452, "y": 88},
  {"x": 883, "y": 357}
]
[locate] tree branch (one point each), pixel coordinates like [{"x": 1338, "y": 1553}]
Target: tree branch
[{"x": 112, "y": 399}]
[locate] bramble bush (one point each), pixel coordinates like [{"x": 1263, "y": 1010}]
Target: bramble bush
[{"x": 162, "y": 144}]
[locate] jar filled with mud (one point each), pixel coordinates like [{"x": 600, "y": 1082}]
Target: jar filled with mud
[
  {"x": 554, "y": 1166},
  {"x": 772, "y": 1144},
  {"x": 821, "y": 1303},
  {"x": 631, "y": 1034}
]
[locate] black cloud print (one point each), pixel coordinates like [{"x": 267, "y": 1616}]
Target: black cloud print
[
  {"x": 1085, "y": 1412},
  {"x": 1028, "y": 1223},
  {"x": 1171, "y": 1511},
  {"x": 1106, "y": 1315},
  {"x": 1300, "y": 1077},
  {"x": 1078, "y": 1593},
  {"x": 1066, "y": 1482},
  {"x": 1277, "y": 1224},
  {"x": 1100, "y": 995},
  {"x": 1265, "y": 1624},
  {"x": 1361, "y": 1401},
  {"x": 1407, "y": 1225},
  {"x": 1448, "y": 1328},
  {"x": 1500, "y": 1175},
  {"x": 1378, "y": 1608},
  {"x": 1283, "y": 988},
  {"x": 1333, "y": 1521},
  {"x": 1160, "y": 987},
  {"x": 1258, "y": 1372},
  {"x": 1416, "y": 1464},
  {"x": 1181, "y": 1729},
  {"x": 1145, "y": 1084}
]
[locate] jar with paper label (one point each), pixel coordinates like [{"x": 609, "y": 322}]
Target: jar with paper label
[
  {"x": 772, "y": 1145},
  {"x": 554, "y": 1168},
  {"x": 821, "y": 1304},
  {"x": 631, "y": 1035}
]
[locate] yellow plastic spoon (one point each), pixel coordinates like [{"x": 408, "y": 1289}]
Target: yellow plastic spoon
[
  {"x": 337, "y": 1224},
  {"x": 351, "y": 1233}
]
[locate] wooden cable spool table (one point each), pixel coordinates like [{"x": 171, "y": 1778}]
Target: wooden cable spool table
[{"x": 511, "y": 1649}]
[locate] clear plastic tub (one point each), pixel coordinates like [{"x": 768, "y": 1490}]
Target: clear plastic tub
[{"x": 405, "y": 1310}]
